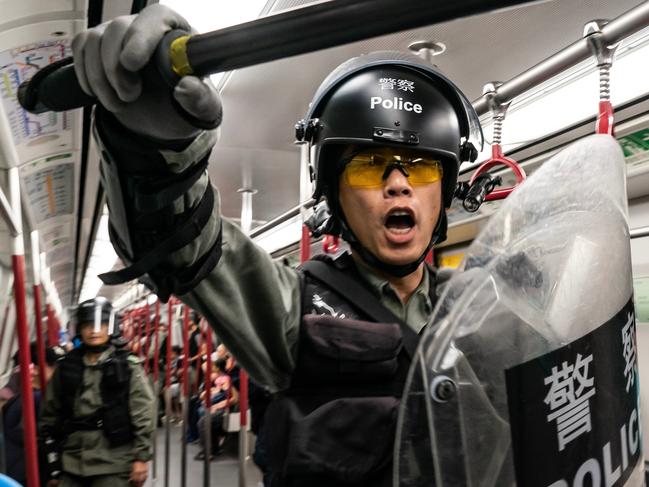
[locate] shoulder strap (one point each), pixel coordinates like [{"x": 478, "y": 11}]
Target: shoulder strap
[
  {"x": 347, "y": 287},
  {"x": 433, "y": 285},
  {"x": 70, "y": 372}
]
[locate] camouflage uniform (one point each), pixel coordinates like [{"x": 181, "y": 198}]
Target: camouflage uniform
[{"x": 88, "y": 454}]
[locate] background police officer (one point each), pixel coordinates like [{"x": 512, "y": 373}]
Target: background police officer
[
  {"x": 386, "y": 164},
  {"x": 96, "y": 424}
]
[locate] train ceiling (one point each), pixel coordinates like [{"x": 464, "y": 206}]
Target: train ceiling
[{"x": 261, "y": 104}]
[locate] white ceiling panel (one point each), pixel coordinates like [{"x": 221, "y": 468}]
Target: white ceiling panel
[
  {"x": 35, "y": 136},
  {"x": 56, "y": 233},
  {"x": 262, "y": 103},
  {"x": 233, "y": 168},
  {"x": 49, "y": 187},
  {"x": 32, "y": 11},
  {"x": 33, "y": 34}
]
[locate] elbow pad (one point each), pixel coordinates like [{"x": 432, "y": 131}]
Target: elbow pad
[{"x": 151, "y": 213}]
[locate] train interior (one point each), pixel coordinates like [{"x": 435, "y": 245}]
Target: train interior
[{"x": 257, "y": 165}]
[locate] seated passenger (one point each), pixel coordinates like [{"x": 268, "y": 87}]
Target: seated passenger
[
  {"x": 222, "y": 381},
  {"x": 96, "y": 424},
  {"x": 176, "y": 381},
  {"x": 223, "y": 398},
  {"x": 335, "y": 339}
]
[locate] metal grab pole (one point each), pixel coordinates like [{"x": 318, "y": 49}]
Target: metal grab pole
[
  {"x": 185, "y": 403},
  {"x": 6, "y": 214},
  {"x": 243, "y": 426},
  {"x": 3, "y": 445},
  {"x": 617, "y": 29},
  {"x": 305, "y": 193},
  {"x": 208, "y": 405},
  {"x": 37, "y": 310},
  {"x": 156, "y": 384},
  {"x": 201, "y": 341},
  {"x": 52, "y": 333},
  {"x": 246, "y": 216},
  {"x": 639, "y": 232},
  {"x": 10, "y": 156},
  {"x": 328, "y": 24},
  {"x": 287, "y": 215},
  {"x": 57, "y": 328},
  {"x": 170, "y": 308},
  {"x": 139, "y": 332},
  {"x": 147, "y": 340},
  {"x": 131, "y": 330}
]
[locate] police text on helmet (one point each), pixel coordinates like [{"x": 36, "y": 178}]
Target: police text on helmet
[{"x": 395, "y": 103}]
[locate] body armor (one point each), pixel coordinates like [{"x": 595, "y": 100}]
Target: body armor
[
  {"x": 336, "y": 423},
  {"x": 114, "y": 417}
]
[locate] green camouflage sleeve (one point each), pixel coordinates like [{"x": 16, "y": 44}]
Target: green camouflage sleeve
[
  {"x": 50, "y": 412},
  {"x": 252, "y": 302},
  {"x": 141, "y": 406}
]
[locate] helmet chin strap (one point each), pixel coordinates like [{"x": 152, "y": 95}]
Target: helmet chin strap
[{"x": 439, "y": 234}]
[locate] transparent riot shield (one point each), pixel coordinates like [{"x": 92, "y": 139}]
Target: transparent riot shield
[{"x": 527, "y": 373}]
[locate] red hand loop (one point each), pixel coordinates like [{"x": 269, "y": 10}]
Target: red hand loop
[
  {"x": 305, "y": 244},
  {"x": 604, "y": 124},
  {"x": 497, "y": 159},
  {"x": 330, "y": 244}
]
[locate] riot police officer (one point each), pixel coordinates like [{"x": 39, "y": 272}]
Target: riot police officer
[
  {"x": 334, "y": 340},
  {"x": 96, "y": 424}
]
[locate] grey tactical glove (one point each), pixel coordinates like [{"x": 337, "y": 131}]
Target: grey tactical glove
[{"x": 110, "y": 60}]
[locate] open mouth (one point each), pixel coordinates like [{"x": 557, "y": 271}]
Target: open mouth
[{"x": 400, "y": 220}]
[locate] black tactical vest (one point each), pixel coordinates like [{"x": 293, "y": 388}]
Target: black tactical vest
[
  {"x": 114, "y": 416},
  {"x": 335, "y": 425}
]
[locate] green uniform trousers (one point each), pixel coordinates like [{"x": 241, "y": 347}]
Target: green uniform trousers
[{"x": 111, "y": 480}]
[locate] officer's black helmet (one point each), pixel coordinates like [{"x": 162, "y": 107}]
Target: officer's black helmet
[
  {"x": 87, "y": 311},
  {"x": 95, "y": 312},
  {"x": 388, "y": 99}
]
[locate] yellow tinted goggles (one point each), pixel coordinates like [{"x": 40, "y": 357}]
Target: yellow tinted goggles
[{"x": 370, "y": 168}]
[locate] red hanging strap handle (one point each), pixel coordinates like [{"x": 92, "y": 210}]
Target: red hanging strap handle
[
  {"x": 499, "y": 159},
  {"x": 604, "y": 53},
  {"x": 330, "y": 244},
  {"x": 479, "y": 188},
  {"x": 605, "y": 122},
  {"x": 305, "y": 244}
]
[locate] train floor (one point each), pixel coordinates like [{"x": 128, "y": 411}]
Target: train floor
[{"x": 224, "y": 469}]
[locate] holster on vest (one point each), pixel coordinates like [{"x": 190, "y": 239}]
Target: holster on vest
[
  {"x": 336, "y": 423},
  {"x": 115, "y": 383}
]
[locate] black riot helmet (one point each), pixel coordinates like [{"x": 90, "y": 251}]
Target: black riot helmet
[
  {"x": 95, "y": 312},
  {"x": 387, "y": 99}
]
